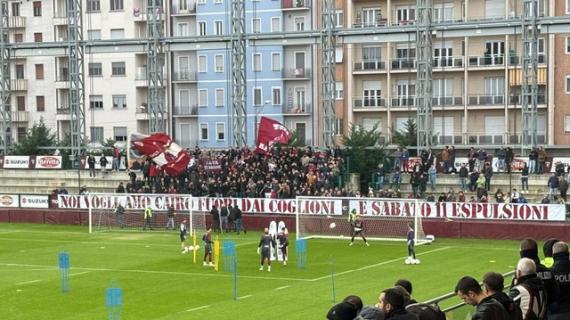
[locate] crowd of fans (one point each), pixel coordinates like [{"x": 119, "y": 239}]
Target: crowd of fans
[{"x": 539, "y": 290}]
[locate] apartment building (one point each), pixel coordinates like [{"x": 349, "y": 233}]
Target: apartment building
[{"x": 477, "y": 80}]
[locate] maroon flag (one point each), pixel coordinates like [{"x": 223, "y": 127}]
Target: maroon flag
[
  {"x": 270, "y": 132},
  {"x": 163, "y": 151}
]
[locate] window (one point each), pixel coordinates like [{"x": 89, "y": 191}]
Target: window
[
  {"x": 203, "y": 131},
  {"x": 257, "y": 62},
  {"x": 97, "y": 134},
  {"x": 219, "y": 97},
  {"x": 120, "y": 101},
  {"x": 443, "y": 13},
  {"x": 38, "y": 37},
  {"x": 275, "y": 24},
  {"x": 257, "y": 99},
  {"x": 339, "y": 90},
  {"x": 405, "y": 15},
  {"x": 338, "y": 18},
  {"x": 219, "y": 63},
  {"x": 182, "y": 5},
  {"x": 276, "y": 96},
  {"x": 120, "y": 133},
  {"x": 21, "y": 103},
  {"x": 371, "y": 17},
  {"x": 256, "y": 25},
  {"x": 117, "y": 33},
  {"x": 567, "y": 120},
  {"x": 299, "y": 23},
  {"x": 568, "y": 44},
  {"x": 39, "y": 71},
  {"x": 202, "y": 64},
  {"x": 218, "y": 1},
  {"x": 202, "y": 28},
  {"x": 201, "y": 1},
  {"x": 567, "y": 6},
  {"x": 19, "y": 71},
  {"x": 182, "y": 30},
  {"x": 203, "y": 97},
  {"x": 275, "y": 62},
  {"x": 37, "y": 9},
  {"x": 568, "y": 84},
  {"x": 94, "y": 34},
  {"x": 95, "y": 69},
  {"x": 93, "y": 6},
  {"x": 22, "y": 131},
  {"x": 118, "y": 69},
  {"x": 220, "y": 131},
  {"x": 40, "y": 104},
  {"x": 18, "y": 37},
  {"x": 117, "y": 5},
  {"x": 16, "y": 9},
  {"x": 95, "y": 102},
  {"x": 218, "y": 28}
]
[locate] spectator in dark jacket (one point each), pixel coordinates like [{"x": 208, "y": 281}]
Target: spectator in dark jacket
[
  {"x": 463, "y": 175},
  {"x": 487, "y": 308},
  {"x": 563, "y": 186},
  {"x": 528, "y": 291},
  {"x": 509, "y": 156},
  {"x": 561, "y": 271},
  {"x": 494, "y": 284},
  {"x": 553, "y": 184},
  {"x": 392, "y": 303}
]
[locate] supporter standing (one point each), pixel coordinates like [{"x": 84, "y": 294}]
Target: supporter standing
[
  {"x": 463, "y": 174},
  {"x": 532, "y": 158},
  {"x": 103, "y": 162},
  {"x": 542, "y": 159},
  {"x": 91, "y": 163},
  {"x": 561, "y": 273},
  {"x": 524, "y": 178}
]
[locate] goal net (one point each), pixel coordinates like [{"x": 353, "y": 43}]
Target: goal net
[
  {"x": 104, "y": 212},
  {"x": 384, "y": 219}
]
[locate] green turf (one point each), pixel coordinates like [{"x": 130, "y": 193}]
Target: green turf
[{"x": 160, "y": 283}]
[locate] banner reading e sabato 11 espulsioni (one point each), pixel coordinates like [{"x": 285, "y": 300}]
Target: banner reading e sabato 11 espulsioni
[{"x": 326, "y": 206}]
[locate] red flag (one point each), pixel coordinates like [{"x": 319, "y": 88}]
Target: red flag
[
  {"x": 270, "y": 132},
  {"x": 166, "y": 154}
]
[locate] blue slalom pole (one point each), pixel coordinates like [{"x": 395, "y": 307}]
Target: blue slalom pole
[
  {"x": 229, "y": 252},
  {"x": 64, "y": 271},
  {"x": 114, "y": 302},
  {"x": 301, "y": 251},
  {"x": 235, "y": 279}
]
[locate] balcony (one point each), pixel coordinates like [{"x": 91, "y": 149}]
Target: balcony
[
  {"x": 517, "y": 60},
  {"x": 139, "y": 15},
  {"x": 19, "y": 85},
  {"x": 448, "y": 62},
  {"x": 295, "y": 5},
  {"x": 447, "y": 101},
  {"x": 448, "y": 139},
  {"x": 184, "y": 76},
  {"x": 142, "y": 112},
  {"x": 297, "y": 109},
  {"x": 297, "y": 74},
  {"x": 63, "y": 113},
  {"x": 59, "y": 19},
  {"x": 402, "y": 101},
  {"x": 20, "y": 116},
  {"x": 370, "y": 65},
  {"x": 517, "y": 100},
  {"x": 484, "y": 138},
  {"x": 406, "y": 63},
  {"x": 16, "y": 22},
  {"x": 486, "y": 61},
  {"x": 403, "y": 22},
  {"x": 368, "y": 103},
  {"x": 186, "y": 111},
  {"x": 188, "y": 10},
  {"x": 486, "y": 100},
  {"x": 371, "y": 24}
]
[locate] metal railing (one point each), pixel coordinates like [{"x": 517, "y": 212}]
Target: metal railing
[
  {"x": 190, "y": 9},
  {"x": 368, "y": 102},
  {"x": 300, "y": 73},
  {"x": 402, "y": 101},
  {"x": 486, "y": 61},
  {"x": 516, "y": 60},
  {"x": 16, "y": 22},
  {"x": 517, "y": 100},
  {"x": 191, "y": 110},
  {"x": 482, "y": 100},
  {"x": 448, "y": 62},
  {"x": 295, "y": 4},
  {"x": 369, "y": 65},
  {"x": 184, "y": 76},
  {"x": 297, "y": 109},
  {"x": 403, "y": 63},
  {"x": 447, "y": 101}
]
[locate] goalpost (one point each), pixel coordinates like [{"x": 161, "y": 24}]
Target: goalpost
[
  {"x": 384, "y": 219},
  {"x": 103, "y": 213}
]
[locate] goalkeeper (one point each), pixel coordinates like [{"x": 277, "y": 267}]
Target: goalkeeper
[
  {"x": 283, "y": 238},
  {"x": 264, "y": 249},
  {"x": 183, "y": 237},
  {"x": 411, "y": 242},
  {"x": 358, "y": 229}
]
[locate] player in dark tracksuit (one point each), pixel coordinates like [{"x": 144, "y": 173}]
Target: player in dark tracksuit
[
  {"x": 283, "y": 238},
  {"x": 207, "y": 238},
  {"x": 264, "y": 247},
  {"x": 411, "y": 244},
  {"x": 358, "y": 229}
]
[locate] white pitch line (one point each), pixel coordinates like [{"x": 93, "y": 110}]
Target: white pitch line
[
  {"x": 377, "y": 264},
  {"x": 281, "y": 288},
  {"x": 197, "y": 308},
  {"x": 165, "y": 272},
  {"x": 245, "y": 297},
  {"x": 27, "y": 282},
  {"x": 34, "y": 281}
]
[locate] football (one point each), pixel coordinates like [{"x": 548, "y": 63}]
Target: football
[
  {"x": 408, "y": 261},
  {"x": 332, "y": 225},
  {"x": 416, "y": 261}
]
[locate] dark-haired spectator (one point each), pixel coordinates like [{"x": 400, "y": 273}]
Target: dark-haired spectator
[
  {"x": 342, "y": 311},
  {"x": 392, "y": 303},
  {"x": 472, "y": 156},
  {"x": 463, "y": 175},
  {"x": 542, "y": 159},
  {"x": 501, "y": 155},
  {"x": 524, "y": 178},
  {"x": 481, "y": 159},
  {"x": 509, "y": 156},
  {"x": 103, "y": 162},
  {"x": 532, "y": 159},
  {"x": 461, "y": 196},
  {"x": 499, "y": 196},
  {"x": 561, "y": 272},
  {"x": 494, "y": 284},
  {"x": 91, "y": 164},
  {"x": 488, "y": 172},
  {"x": 563, "y": 186},
  {"x": 356, "y": 301},
  {"x": 407, "y": 285},
  {"x": 487, "y": 308},
  {"x": 553, "y": 184}
]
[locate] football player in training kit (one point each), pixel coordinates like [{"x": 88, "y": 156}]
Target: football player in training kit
[
  {"x": 264, "y": 248},
  {"x": 358, "y": 229},
  {"x": 411, "y": 243},
  {"x": 283, "y": 238},
  {"x": 183, "y": 236},
  {"x": 207, "y": 238}
]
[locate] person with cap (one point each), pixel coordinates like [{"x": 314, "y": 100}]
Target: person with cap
[
  {"x": 342, "y": 311},
  {"x": 561, "y": 272}
]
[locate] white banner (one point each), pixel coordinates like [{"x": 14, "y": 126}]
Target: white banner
[
  {"x": 48, "y": 162},
  {"x": 16, "y": 162},
  {"x": 34, "y": 201},
  {"x": 326, "y": 206},
  {"x": 9, "y": 201},
  {"x": 460, "y": 210}
]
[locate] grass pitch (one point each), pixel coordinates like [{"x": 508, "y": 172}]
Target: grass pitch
[{"x": 159, "y": 282}]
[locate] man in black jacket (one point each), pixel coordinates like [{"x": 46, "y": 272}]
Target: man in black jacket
[
  {"x": 487, "y": 308},
  {"x": 494, "y": 284},
  {"x": 561, "y": 272},
  {"x": 529, "y": 249},
  {"x": 392, "y": 302},
  {"x": 528, "y": 291}
]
